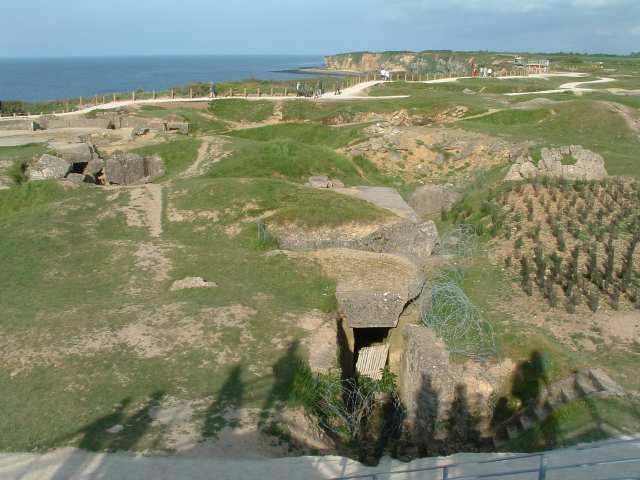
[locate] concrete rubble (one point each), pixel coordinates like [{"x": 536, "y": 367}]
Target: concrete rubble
[{"x": 571, "y": 162}]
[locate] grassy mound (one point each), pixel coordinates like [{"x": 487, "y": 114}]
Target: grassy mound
[
  {"x": 287, "y": 203},
  {"x": 303, "y": 133},
  {"x": 177, "y": 154},
  {"x": 286, "y": 159},
  {"x": 579, "y": 122},
  {"x": 240, "y": 110}
]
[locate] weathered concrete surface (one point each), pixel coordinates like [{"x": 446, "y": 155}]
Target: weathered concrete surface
[
  {"x": 372, "y": 288},
  {"x": 133, "y": 169},
  {"x": 17, "y": 124},
  {"x": 415, "y": 241},
  {"x": 426, "y": 381},
  {"x": 604, "y": 460},
  {"x": 74, "y": 152},
  {"x": 46, "y": 167},
  {"x": 587, "y": 165},
  {"x": 431, "y": 199},
  {"x": 383, "y": 197}
]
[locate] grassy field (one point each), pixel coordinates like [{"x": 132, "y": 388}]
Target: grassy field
[
  {"x": 577, "y": 122},
  {"x": 100, "y": 334},
  {"x": 239, "y": 110},
  {"x": 303, "y": 133},
  {"x": 199, "y": 122},
  {"x": 177, "y": 154},
  {"x": 288, "y": 159}
]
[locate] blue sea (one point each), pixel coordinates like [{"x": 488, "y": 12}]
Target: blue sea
[{"x": 60, "y": 78}]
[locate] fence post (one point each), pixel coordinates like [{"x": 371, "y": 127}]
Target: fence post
[
  {"x": 272, "y": 91},
  {"x": 445, "y": 473},
  {"x": 153, "y": 95},
  {"x": 245, "y": 93},
  {"x": 259, "y": 93},
  {"x": 173, "y": 94},
  {"x": 542, "y": 472},
  {"x": 81, "y": 101},
  {"x": 133, "y": 95},
  {"x": 191, "y": 93},
  {"x": 115, "y": 98},
  {"x": 286, "y": 92}
]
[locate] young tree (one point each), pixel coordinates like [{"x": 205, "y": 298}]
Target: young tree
[{"x": 525, "y": 275}]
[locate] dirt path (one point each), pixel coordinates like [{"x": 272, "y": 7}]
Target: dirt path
[
  {"x": 144, "y": 208},
  {"x": 627, "y": 114},
  {"x": 565, "y": 87},
  {"x": 211, "y": 151}
]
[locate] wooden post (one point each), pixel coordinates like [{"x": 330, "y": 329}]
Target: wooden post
[
  {"x": 259, "y": 94},
  {"x": 245, "y": 93},
  {"x": 133, "y": 95},
  {"x": 173, "y": 94},
  {"x": 191, "y": 93},
  {"x": 286, "y": 92},
  {"x": 272, "y": 91},
  {"x": 153, "y": 94},
  {"x": 115, "y": 98},
  {"x": 104, "y": 99},
  {"x": 80, "y": 101}
]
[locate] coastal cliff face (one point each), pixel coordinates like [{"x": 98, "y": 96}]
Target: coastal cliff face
[{"x": 413, "y": 62}]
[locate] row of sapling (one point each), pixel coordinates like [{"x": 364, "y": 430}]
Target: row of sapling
[{"x": 606, "y": 212}]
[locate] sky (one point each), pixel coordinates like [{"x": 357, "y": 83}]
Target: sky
[{"x": 61, "y": 28}]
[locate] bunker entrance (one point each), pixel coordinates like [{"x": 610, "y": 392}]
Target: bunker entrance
[
  {"x": 78, "y": 167},
  {"x": 371, "y": 351}
]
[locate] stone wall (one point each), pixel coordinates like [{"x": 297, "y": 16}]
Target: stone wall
[{"x": 17, "y": 124}]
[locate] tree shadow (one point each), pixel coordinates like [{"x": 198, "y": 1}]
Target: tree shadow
[
  {"x": 528, "y": 397},
  {"x": 116, "y": 431},
  {"x": 529, "y": 380},
  {"x": 424, "y": 435},
  {"x": 462, "y": 425},
  {"x": 231, "y": 395},
  {"x": 281, "y": 391}
]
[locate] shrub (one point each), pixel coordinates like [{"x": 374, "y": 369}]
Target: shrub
[
  {"x": 18, "y": 172},
  {"x": 593, "y": 299}
]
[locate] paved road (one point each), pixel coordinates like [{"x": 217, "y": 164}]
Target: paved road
[
  {"x": 352, "y": 93},
  {"x": 619, "y": 459}
]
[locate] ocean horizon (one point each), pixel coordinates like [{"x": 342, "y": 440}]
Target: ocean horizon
[{"x": 42, "y": 79}]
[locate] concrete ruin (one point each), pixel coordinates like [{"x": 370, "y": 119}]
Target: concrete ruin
[
  {"x": 103, "y": 120},
  {"x": 80, "y": 163},
  {"x": 571, "y": 163}
]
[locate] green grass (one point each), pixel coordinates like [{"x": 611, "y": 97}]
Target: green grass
[
  {"x": 198, "y": 120},
  {"x": 512, "y": 118},
  {"x": 579, "y": 122},
  {"x": 23, "y": 152},
  {"x": 585, "y": 420},
  {"x": 303, "y": 133},
  {"x": 177, "y": 154},
  {"x": 240, "y": 110},
  {"x": 30, "y": 196},
  {"x": 71, "y": 279},
  {"x": 288, "y": 203},
  {"x": 285, "y": 159}
]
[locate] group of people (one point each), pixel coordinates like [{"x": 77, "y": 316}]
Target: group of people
[
  {"x": 385, "y": 74},
  {"x": 313, "y": 91},
  {"x": 482, "y": 72}
]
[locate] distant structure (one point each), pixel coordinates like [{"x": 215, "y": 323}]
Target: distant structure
[{"x": 532, "y": 66}]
